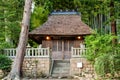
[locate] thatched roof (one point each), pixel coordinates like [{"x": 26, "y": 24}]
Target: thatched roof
[{"x": 63, "y": 24}]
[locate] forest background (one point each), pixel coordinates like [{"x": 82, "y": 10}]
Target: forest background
[
  {"x": 98, "y": 14},
  {"x": 103, "y": 16}
]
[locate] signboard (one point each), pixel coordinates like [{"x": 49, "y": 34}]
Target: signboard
[{"x": 79, "y": 65}]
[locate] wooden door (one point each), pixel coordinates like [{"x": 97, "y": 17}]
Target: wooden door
[
  {"x": 61, "y": 49},
  {"x": 56, "y": 49}
]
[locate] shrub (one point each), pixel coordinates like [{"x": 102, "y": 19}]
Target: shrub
[
  {"x": 104, "y": 55},
  {"x": 5, "y": 63},
  {"x": 98, "y": 45},
  {"x": 102, "y": 65},
  {"x": 107, "y": 64}
]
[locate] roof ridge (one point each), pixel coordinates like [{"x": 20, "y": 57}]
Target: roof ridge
[{"x": 65, "y": 13}]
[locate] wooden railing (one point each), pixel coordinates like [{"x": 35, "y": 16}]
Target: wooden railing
[
  {"x": 30, "y": 52},
  {"x": 78, "y": 52}
]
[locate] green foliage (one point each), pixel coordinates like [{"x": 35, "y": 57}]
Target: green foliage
[
  {"x": 102, "y": 65},
  {"x": 104, "y": 55},
  {"x": 4, "y": 45},
  {"x": 5, "y": 63},
  {"x": 39, "y": 16},
  {"x": 99, "y": 10},
  {"x": 10, "y": 18},
  {"x": 107, "y": 63},
  {"x": 40, "y": 13},
  {"x": 32, "y": 43},
  {"x": 98, "y": 45},
  {"x": 117, "y": 62},
  {"x": 63, "y": 4}
]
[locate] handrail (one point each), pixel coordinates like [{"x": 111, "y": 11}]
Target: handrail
[
  {"x": 30, "y": 52},
  {"x": 51, "y": 67},
  {"x": 78, "y": 52}
]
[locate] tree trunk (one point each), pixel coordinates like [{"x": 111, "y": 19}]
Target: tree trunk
[
  {"x": 113, "y": 22},
  {"x": 17, "y": 65}
]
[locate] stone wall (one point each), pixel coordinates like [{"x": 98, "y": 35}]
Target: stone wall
[
  {"x": 87, "y": 69},
  {"x": 35, "y": 67},
  {"x": 1, "y": 74}
]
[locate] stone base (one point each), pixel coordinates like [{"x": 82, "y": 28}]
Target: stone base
[
  {"x": 1, "y": 74},
  {"x": 86, "y": 70},
  {"x": 36, "y": 67}
]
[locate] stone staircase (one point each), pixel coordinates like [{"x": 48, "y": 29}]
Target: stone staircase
[{"x": 61, "y": 68}]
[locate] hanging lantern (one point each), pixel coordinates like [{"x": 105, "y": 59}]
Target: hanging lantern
[
  {"x": 79, "y": 37},
  {"x": 48, "y": 38}
]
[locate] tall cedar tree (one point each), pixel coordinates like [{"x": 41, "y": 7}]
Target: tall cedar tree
[{"x": 113, "y": 21}]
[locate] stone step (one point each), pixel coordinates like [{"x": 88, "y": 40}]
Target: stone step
[
  {"x": 62, "y": 61},
  {"x": 56, "y": 75},
  {"x": 62, "y": 64},
  {"x": 61, "y": 68},
  {"x": 58, "y": 72}
]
